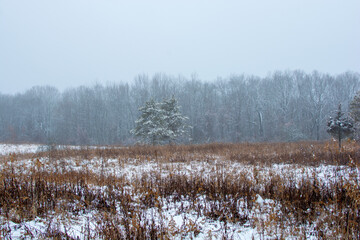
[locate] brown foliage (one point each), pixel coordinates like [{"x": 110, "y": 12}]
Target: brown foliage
[{"x": 228, "y": 196}]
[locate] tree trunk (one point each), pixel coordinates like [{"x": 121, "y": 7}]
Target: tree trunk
[
  {"x": 339, "y": 138},
  {"x": 261, "y": 127}
]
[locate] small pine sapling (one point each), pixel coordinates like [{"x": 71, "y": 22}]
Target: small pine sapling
[{"x": 340, "y": 127}]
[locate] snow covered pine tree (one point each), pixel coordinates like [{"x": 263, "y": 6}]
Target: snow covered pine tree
[
  {"x": 340, "y": 127},
  {"x": 150, "y": 126},
  {"x": 160, "y": 122},
  {"x": 175, "y": 121}
]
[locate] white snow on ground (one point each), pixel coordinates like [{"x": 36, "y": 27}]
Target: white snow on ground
[
  {"x": 77, "y": 226},
  {"x": 6, "y": 149}
]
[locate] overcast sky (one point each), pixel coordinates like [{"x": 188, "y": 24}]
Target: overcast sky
[{"x": 67, "y": 43}]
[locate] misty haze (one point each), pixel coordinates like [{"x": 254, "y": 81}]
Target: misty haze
[{"x": 179, "y": 119}]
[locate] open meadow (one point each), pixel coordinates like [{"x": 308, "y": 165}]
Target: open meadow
[{"x": 304, "y": 190}]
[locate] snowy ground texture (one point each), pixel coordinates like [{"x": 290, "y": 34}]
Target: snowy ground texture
[
  {"x": 174, "y": 196},
  {"x": 6, "y": 149}
]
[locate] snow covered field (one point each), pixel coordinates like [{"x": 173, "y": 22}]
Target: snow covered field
[
  {"x": 174, "y": 194},
  {"x": 6, "y": 149}
]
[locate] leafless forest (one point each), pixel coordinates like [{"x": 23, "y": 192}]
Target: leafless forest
[{"x": 285, "y": 106}]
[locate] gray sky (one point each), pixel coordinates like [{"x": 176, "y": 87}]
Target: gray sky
[{"x": 66, "y": 43}]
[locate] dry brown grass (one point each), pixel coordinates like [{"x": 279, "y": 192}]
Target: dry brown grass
[
  {"x": 224, "y": 195},
  {"x": 306, "y": 153}
]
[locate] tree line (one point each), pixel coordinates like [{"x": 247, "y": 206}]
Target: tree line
[{"x": 283, "y": 106}]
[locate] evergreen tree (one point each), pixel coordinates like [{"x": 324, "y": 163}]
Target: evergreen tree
[
  {"x": 174, "y": 120},
  {"x": 160, "y": 122},
  {"x": 150, "y": 126},
  {"x": 340, "y": 127}
]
